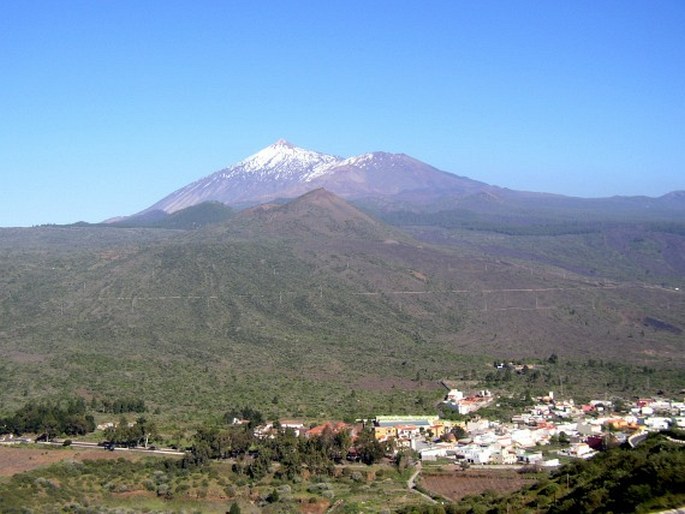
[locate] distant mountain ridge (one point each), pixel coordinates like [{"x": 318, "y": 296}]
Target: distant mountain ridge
[
  {"x": 283, "y": 170},
  {"x": 384, "y": 182}
]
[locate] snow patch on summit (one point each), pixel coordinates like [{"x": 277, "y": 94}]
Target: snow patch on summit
[
  {"x": 360, "y": 161},
  {"x": 375, "y": 160},
  {"x": 283, "y": 161}
]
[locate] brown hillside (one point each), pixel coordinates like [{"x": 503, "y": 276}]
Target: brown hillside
[{"x": 318, "y": 213}]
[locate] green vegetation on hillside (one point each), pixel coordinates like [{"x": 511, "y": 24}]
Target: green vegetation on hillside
[
  {"x": 196, "y": 216},
  {"x": 317, "y": 310},
  {"x": 49, "y": 420}
]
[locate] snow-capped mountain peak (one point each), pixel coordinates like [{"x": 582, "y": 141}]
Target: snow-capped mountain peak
[
  {"x": 283, "y": 160},
  {"x": 283, "y": 170}
]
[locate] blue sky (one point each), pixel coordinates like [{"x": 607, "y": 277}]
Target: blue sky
[{"x": 107, "y": 106}]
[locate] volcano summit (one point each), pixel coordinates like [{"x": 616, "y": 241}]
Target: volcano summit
[{"x": 283, "y": 170}]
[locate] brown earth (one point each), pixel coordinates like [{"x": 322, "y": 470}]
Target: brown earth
[
  {"x": 25, "y": 358},
  {"x": 317, "y": 507},
  {"x": 17, "y": 460},
  {"x": 457, "y": 484}
]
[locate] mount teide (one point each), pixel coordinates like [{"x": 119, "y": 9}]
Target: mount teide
[
  {"x": 386, "y": 182},
  {"x": 283, "y": 170}
]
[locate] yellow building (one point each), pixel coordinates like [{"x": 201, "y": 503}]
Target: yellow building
[{"x": 384, "y": 433}]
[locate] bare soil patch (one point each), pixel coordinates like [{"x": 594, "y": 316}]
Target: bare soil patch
[
  {"x": 17, "y": 460},
  {"x": 317, "y": 507},
  {"x": 457, "y": 484},
  {"x": 25, "y": 358}
]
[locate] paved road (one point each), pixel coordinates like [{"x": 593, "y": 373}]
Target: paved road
[
  {"x": 84, "y": 444},
  {"x": 637, "y": 438}
]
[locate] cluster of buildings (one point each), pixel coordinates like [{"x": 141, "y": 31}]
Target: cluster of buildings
[
  {"x": 580, "y": 430},
  {"x": 577, "y": 431},
  {"x": 462, "y": 404},
  {"x": 405, "y": 431},
  {"x": 299, "y": 429}
]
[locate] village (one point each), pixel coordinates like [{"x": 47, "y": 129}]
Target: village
[
  {"x": 543, "y": 435},
  {"x": 575, "y": 431},
  {"x": 429, "y": 455}
]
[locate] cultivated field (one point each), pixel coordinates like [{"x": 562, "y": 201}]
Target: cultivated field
[
  {"x": 456, "y": 484},
  {"x": 15, "y": 460}
]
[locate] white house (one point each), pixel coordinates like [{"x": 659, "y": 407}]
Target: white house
[
  {"x": 503, "y": 455},
  {"x": 658, "y": 423},
  {"x": 523, "y": 437},
  {"x": 434, "y": 452},
  {"x": 475, "y": 454},
  {"x": 454, "y": 395},
  {"x": 580, "y": 450}
]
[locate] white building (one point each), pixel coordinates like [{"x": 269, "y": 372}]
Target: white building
[
  {"x": 658, "y": 423},
  {"x": 475, "y": 454},
  {"x": 437, "y": 451},
  {"x": 454, "y": 395},
  {"x": 503, "y": 455},
  {"x": 523, "y": 438},
  {"x": 579, "y": 450}
]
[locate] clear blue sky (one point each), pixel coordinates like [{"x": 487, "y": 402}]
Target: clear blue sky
[{"x": 108, "y": 105}]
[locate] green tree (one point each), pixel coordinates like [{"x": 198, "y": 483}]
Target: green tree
[
  {"x": 369, "y": 449},
  {"x": 341, "y": 445},
  {"x": 459, "y": 432},
  {"x": 260, "y": 466}
]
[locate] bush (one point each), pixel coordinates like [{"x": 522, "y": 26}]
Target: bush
[
  {"x": 163, "y": 490},
  {"x": 318, "y": 487},
  {"x": 284, "y": 489}
]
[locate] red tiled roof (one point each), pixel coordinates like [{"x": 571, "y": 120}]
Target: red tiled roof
[{"x": 333, "y": 426}]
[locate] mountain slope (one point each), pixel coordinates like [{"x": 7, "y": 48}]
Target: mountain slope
[
  {"x": 198, "y": 215},
  {"x": 385, "y": 174},
  {"x": 283, "y": 170},
  {"x": 318, "y": 213},
  {"x": 256, "y": 179},
  {"x": 297, "y": 307}
]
